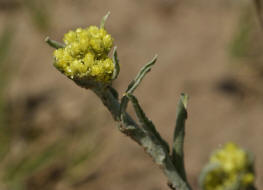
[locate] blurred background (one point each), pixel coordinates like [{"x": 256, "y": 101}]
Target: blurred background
[{"x": 57, "y": 136}]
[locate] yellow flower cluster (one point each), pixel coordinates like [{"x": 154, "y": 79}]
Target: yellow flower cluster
[
  {"x": 86, "y": 54},
  {"x": 234, "y": 169}
]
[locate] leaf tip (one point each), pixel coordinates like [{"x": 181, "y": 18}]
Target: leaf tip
[
  {"x": 184, "y": 98},
  {"x": 104, "y": 19},
  {"x": 47, "y": 38}
]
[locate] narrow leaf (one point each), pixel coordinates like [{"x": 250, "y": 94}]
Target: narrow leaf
[
  {"x": 104, "y": 19},
  {"x": 146, "y": 123},
  {"x": 124, "y": 104},
  {"x": 135, "y": 83},
  {"x": 178, "y": 140},
  {"x": 54, "y": 43},
  {"x": 116, "y": 64}
]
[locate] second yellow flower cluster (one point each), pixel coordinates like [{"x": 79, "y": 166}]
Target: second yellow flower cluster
[{"x": 234, "y": 169}]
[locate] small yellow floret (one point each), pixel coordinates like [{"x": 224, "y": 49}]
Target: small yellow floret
[
  {"x": 69, "y": 37},
  {"x": 89, "y": 60},
  {"x": 86, "y": 54}
]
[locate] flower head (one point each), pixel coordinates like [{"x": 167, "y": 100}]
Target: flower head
[
  {"x": 233, "y": 169},
  {"x": 86, "y": 55}
]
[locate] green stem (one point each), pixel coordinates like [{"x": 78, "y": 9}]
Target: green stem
[{"x": 152, "y": 146}]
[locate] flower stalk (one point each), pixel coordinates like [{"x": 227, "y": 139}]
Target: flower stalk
[{"x": 84, "y": 59}]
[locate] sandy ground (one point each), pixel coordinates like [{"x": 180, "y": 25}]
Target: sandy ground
[{"x": 191, "y": 39}]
